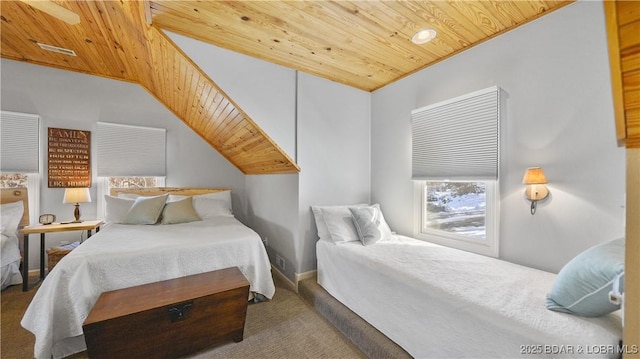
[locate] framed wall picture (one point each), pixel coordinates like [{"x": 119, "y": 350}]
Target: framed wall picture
[{"x": 69, "y": 159}]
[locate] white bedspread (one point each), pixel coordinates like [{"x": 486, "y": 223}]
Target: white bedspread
[
  {"x": 439, "y": 302},
  {"x": 9, "y": 260},
  {"x": 121, "y": 256}
]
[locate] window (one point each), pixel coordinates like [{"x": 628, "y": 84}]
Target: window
[
  {"x": 19, "y": 156},
  {"x": 462, "y": 215},
  {"x": 129, "y": 156},
  {"x": 19, "y": 142},
  {"x": 106, "y": 183},
  {"x": 125, "y": 150},
  {"x": 13, "y": 180},
  {"x": 133, "y": 182},
  {"x": 455, "y": 162},
  {"x": 456, "y": 207}
]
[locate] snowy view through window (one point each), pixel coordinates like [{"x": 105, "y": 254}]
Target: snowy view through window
[{"x": 457, "y": 207}]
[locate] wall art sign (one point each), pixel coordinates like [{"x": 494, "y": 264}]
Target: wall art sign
[{"x": 69, "y": 158}]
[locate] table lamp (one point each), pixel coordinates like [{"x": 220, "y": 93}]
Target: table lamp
[{"x": 76, "y": 196}]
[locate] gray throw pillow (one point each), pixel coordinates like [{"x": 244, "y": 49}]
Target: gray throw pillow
[
  {"x": 180, "y": 211},
  {"x": 370, "y": 224},
  {"x": 146, "y": 210}
]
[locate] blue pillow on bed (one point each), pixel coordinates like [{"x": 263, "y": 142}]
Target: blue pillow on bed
[{"x": 583, "y": 285}]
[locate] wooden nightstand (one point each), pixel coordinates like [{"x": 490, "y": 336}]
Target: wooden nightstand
[{"x": 88, "y": 226}]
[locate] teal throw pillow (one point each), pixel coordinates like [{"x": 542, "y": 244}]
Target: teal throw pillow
[{"x": 583, "y": 285}]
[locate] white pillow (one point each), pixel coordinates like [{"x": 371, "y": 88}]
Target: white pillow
[
  {"x": 323, "y": 232},
  {"x": 146, "y": 210},
  {"x": 224, "y": 196},
  {"x": 117, "y": 208},
  {"x": 10, "y": 216},
  {"x": 128, "y": 195},
  {"x": 208, "y": 208},
  {"x": 335, "y": 224}
]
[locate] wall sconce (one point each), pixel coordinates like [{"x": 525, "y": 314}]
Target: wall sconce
[
  {"x": 536, "y": 190},
  {"x": 76, "y": 196}
]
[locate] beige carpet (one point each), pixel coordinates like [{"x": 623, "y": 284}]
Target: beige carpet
[{"x": 285, "y": 327}]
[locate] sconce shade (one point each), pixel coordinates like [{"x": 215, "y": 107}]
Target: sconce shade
[
  {"x": 76, "y": 195},
  {"x": 534, "y": 175}
]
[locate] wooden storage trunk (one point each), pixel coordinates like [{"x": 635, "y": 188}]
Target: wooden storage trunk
[{"x": 168, "y": 319}]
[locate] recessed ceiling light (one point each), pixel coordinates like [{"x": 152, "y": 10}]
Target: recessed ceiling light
[{"x": 423, "y": 36}]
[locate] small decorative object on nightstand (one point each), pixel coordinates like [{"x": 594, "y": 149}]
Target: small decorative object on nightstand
[{"x": 47, "y": 218}]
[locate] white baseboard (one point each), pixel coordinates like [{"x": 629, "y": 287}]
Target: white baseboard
[
  {"x": 283, "y": 278},
  {"x": 35, "y": 272},
  {"x": 287, "y": 282},
  {"x": 305, "y": 275}
]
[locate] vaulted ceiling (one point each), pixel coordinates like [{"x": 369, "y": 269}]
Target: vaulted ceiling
[{"x": 363, "y": 44}]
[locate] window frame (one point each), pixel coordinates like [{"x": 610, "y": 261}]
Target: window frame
[{"x": 490, "y": 246}]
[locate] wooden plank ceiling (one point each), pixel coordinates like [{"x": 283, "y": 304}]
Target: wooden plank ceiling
[
  {"x": 623, "y": 28},
  {"x": 114, "y": 40},
  {"x": 363, "y": 44}
]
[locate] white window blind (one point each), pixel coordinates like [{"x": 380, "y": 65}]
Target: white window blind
[
  {"x": 19, "y": 142},
  {"x": 457, "y": 139},
  {"x": 125, "y": 150}
]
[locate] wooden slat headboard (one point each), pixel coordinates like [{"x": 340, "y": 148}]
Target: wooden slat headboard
[
  {"x": 9, "y": 195},
  {"x": 156, "y": 191}
]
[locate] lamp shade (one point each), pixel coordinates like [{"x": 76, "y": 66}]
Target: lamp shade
[
  {"x": 534, "y": 175},
  {"x": 76, "y": 195}
]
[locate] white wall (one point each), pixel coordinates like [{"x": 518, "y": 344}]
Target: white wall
[
  {"x": 355, "y": 146},
  {"x": 272, "y": 204},
  {"x": 555, "y": 73},
  {"x": 264, "y": 91},
  {"x": 322, "y": 124},
  {"x": 333, "y": 151},
  {"x": 72, "y": 100}
]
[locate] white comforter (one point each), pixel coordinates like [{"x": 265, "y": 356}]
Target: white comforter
[
  {"x": 121, "y": 256},
  {"x": 9, "y": 260},
  {"x": 439, "y": 302}
]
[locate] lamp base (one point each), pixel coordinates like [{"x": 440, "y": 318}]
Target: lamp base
[
  {"x": 536, "y": 192},
  {"x": 76, "y": 213}
]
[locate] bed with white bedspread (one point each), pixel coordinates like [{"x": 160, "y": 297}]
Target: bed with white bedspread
[
  {"x": 125, "y": 255},
  {"x": 439, "y": 302},
  {"x": 14, "y": 215}
]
